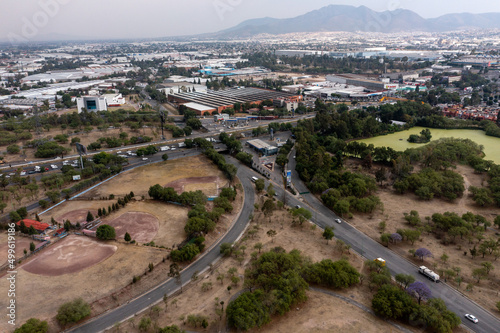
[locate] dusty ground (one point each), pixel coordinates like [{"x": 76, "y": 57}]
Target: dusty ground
[
  {"x": 143, "y": 227},
  {"x": 141, "y": 179},
  {"x": 72, "y": 254},
  {"x": 39, "y": 296},
  {"x": 313, "y": 316},
  {"x": 75, "y": 216},
  {"x": 75, "y": 210},
  {"x": 486, "y": 292},
  {"x": 21, "y": 244}
]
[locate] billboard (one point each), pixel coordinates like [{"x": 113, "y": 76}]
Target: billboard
[
  {"x": 288, "y": 176},
  {"x": 81, "y": 149},
  {"x": 391, "y": 86}
]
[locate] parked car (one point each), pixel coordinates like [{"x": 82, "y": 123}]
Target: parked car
[
  {"x": 471, "y": 318},
  {"x": 53, "y": 166}
]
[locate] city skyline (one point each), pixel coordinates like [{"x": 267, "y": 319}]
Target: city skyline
[{"x": 130, "y": 19}]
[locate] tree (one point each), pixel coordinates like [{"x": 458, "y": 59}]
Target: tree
[
  {"x": 498, "y": 303},
  {"x": 381, "y": 175},
  {"x": 32, "y": 246},
  {"x": 385, "y": 238},
  {"x": 419, "y": 290},
  {"x": 90, "y": 217},
  {"x": 175, "y": 273},
  {"x": 259, "y": 185},
  {"x": 53, "y": 196},
  {"x": 164, "y": 157},
  {"x": 105, "y": 232},
  {"x": 73, "y": 312},
  {"x": 392, "y": 302},
  {"x": 145, "y": 324},
  {"x": 488, "y": 266},
  {"x": 226, "y": 249},
  {"x": 258, "y": 246},
  {"x": 479, "y": 273},
  {"x": 33, "y": 325},
  {"x": 404, "y": 279},
  {"x": 328, "y": 234},
  {"x": 444, "y": 257},
  {"x": 423, "y": 253},
  {"x": 271, "y": 233},
  {"x": 127, "y": 237}
]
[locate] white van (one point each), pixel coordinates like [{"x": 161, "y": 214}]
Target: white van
[{"x": 254, "y": 179}]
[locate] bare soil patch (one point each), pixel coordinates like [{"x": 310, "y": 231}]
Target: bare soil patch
[
  {"x": 141, "y": 179},
  {"x": 76, "y": 216},
  {"x": 21, "y": 244},
  {"x": 195, "y": 183},
  {"x": 70, "y": 255},
  {"x": 142, "y": 227}
]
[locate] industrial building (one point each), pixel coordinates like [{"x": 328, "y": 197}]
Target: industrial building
[
  {"x": 262, "y": 147},
  {"x": 225, "y": 71},
  {"x": 217, "y": 101},
  {"x": 91, "y": 103}
]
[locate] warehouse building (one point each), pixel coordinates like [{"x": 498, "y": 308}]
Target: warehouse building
[{"x": 218, "y": 101}]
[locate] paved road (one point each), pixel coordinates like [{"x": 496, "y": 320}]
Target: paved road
[
  {"x": 371, "y": 249},
  {"x": 169, "y": 286}
]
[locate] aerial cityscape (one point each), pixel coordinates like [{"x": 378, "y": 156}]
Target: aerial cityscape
[{"x": 237, "y": 166}]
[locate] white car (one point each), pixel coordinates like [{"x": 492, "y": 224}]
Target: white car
[
  {"x": 144, "y": 158},
  {"x": 471, "y": 318},
  {"x": 338, "y": 221},
  {"x": 23, "y": 173},
  {"x": 173, "y": 148},
  {"x": 53, "y": 166}
]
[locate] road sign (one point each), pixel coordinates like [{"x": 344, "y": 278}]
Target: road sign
[{"x": 288, "y": 176}]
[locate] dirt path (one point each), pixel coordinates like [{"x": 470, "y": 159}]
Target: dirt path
[{"x": 463, "y": 200}]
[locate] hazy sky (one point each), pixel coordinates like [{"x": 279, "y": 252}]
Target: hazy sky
[{"x": 30, "y": 19}]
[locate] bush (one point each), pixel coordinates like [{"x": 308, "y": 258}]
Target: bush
[
  {"x": 105, "y": 232},
  {"x": 13, "y": 149},
  {"x": 73, "y": 312},
  {"x": 33, "y": 325}
]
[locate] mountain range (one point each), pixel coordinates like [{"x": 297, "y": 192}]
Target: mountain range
[{"x": 360, "y": 19}]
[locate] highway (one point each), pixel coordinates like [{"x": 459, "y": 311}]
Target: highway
[
  {"x": 371, "y": 249},
  {"x": 121, "y": 313}
]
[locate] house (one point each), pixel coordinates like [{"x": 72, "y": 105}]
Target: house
[{"x": 39, "y": 226}]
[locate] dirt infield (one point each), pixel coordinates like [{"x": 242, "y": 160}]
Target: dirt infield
[
  {"x": 195, "y": 183},
  {"x": 142, "y": 227},
  {"x": 76, "y": 216},
  {"x": 70, "y": 255}
]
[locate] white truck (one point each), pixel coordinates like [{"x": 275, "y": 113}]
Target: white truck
[
  {"x": 165, "y": 148},
  {"x": 430, "y": 274},
  {"x": 182, "y": 145}
]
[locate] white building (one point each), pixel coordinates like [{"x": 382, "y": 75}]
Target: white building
[
  {"x": 114, "y": 99},
  {"x": 91, "y": 103}
]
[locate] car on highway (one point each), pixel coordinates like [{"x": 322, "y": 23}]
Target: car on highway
[
  {"x": 53, "y": 166},
  {"x": 338, "y": 221},
  {"x": 23, "y": 173},
  {"x": 31, "y": 172},
  {"x": 471, "y": 318},
  {"x": 297, "y": 206},
  {"x": 144, "y": 158}
]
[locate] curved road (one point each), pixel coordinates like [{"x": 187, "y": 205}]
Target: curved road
[
  {"x": 371, "y": 249},
  {"x": 121, "y": 313}
]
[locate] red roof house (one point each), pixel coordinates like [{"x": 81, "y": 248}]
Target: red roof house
[{"x": 39, "y": 226}]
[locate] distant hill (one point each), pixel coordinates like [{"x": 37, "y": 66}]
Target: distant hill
[{"x": 352, "y": 19}]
